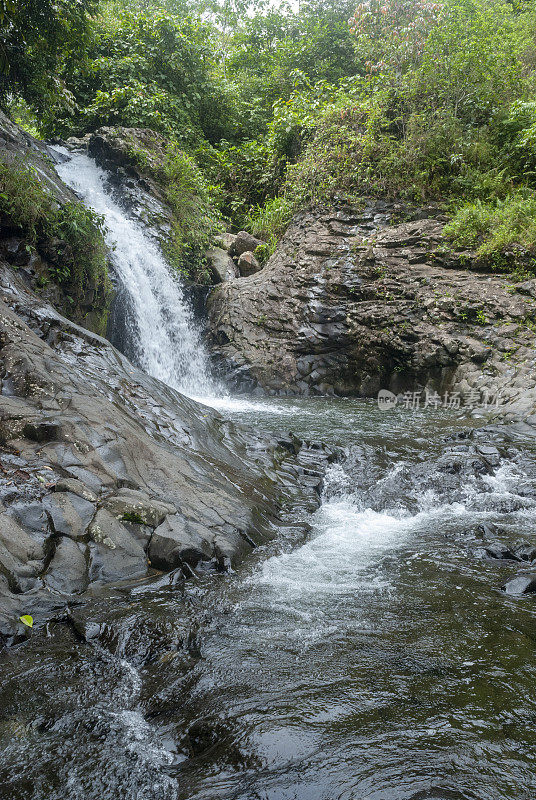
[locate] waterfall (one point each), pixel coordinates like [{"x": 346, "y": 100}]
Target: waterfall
[{"x": 160, "y": 333}]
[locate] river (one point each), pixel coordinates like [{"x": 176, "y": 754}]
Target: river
[{"x": 376, "y": 658}]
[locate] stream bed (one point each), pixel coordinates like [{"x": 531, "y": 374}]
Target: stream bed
[{"x": 376, "y": 659}]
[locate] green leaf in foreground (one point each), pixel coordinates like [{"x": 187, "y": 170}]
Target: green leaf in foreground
[{"x": 27, "y": 620}]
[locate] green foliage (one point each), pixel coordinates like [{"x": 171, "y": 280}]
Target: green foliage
[
  {"x": 146, "y": 68},
  {"x": 271, "y": 109},
  {"x": 246, "y": 174},
  {"x": 27, "y": 620},
  {"x": 391, "y": 34},
  {"x": 270, "y": 49},
  {"x": 263, "y": 252},
  {"x": 516, "y": 134},
  {"x": 195, "y": 218},
  {"x": 133, "y": 518},
  {"x": 472, "y": 59},
  {"x": 270, "y": 221},
  {"x": 22, "y": 115},
  {"x": 494, "y": 228},
  {"x": 436, "y": 125},
  {"x": 68, "y": 235},
  {"x": 40, "y": 38}
]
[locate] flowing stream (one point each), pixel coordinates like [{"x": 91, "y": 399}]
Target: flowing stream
[{"x": 376, "y": 659}]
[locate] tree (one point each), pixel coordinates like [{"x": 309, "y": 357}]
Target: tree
[
  {"x": 150, "y": 69},
  {"x": 472, "y": 60},
  {"x": 391, "y": 34},
  {"x": 39, "y": 37}
]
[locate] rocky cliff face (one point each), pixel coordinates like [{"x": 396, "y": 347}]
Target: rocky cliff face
[
  {"x": 107, "y": 475},
  {"x": 352, "y": 302}
]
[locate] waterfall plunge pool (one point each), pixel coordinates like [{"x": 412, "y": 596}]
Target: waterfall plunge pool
[{"x": 376, "y": 659}]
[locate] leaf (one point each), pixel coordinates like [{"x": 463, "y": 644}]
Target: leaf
[{"x": 27, "y": 620}]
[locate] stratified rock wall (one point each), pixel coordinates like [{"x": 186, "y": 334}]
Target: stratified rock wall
[{"x": 352, "y": 302}]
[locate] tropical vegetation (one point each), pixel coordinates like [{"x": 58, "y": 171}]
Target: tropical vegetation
[{"x": 269, "y": 109}]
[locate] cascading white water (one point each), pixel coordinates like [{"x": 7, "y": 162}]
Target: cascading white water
[{"x": 163, "y": 335}]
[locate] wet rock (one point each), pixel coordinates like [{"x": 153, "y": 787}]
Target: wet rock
[
  {"x": 69, "y": 513},
  {"x": 486, "y": 530},
  {"x": 140, "y": 630},
  {"x": 501, "y": 552},
  {"x": 75, "y": 487},
  {"x": 221, "y": 264},
  {"x": 12, "y": 606},
  {"x": 115, "y": 553},
  {"x": 132, "y": 181},
  {"x": 489, "y": 454},
  {"x": 521, "y": 584},
  {"x": 21, "y": 556},
  {"x": 248, "y": 264},
  {"x": 131, "y": 444},
  {"x": 68, "y": 568},
  {"x": 350, "y": 308},
  {"x": 244, "y": 242},
  {"x": 178, "y": 541},
  {"x": 32, "y": 517},
  {"x": 525, "y": 551},
  {"x": 45, "y": 431},
  {"x": 230, "y": 548},
  {"x": 136, "y": 507}
]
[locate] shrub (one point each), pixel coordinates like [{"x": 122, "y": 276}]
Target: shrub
[
  {"x": 472, "y": 59},
  {"x": 270, "y": 220},
  {"x": 145, "y": 67},
  {"x": 196, "y": 219},
  {"x": 246, "y": 175},
  {"x": 494, "y": 228},
  {"x": 69, "y": 235}
]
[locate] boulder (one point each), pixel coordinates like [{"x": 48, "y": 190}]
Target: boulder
[
  {"x": 115, "y": 553},
  {"x": 136, "y": 507},
  {"x": 21, "y": 556},
  {"x": 179, "y": 541},
  {"x": 221, "y": 265},
  {"x": 68, "y": 569},
  {"x": 69, "y": 513},
  {"x": 33, "y": 517},
  {"x": 248, "y": 264},
  {"x": 225, "y": 240},
  {"x": 521, "y": 584},
  {"x": 525, "y": 551},
  {"x": 502, "y": 552},
  {"x": 75, "y": 487},
  {"x": 244, "y": 242}
]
